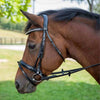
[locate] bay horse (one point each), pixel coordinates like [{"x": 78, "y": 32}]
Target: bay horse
[{"x": 54, "y": 35}]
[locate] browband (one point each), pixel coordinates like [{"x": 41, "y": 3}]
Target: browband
[{"x": 34, "y": 30}]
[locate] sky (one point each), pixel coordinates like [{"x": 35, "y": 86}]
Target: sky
[{"x": 42, "y": 5}]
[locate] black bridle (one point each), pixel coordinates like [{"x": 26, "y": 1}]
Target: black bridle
[{"x": 37, "y": 67}]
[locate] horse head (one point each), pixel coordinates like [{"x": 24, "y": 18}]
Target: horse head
[{"x": 43, "y": 53}]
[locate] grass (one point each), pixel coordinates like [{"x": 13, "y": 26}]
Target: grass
[
  {"x": 11, "y": 34},
  {"x": 80, "y": 86}
]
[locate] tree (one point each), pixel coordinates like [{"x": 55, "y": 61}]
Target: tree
[
  {"x": 90, "y": 3},
  {"x": 97, "y": 7},
  {"x": 11, "y": 9}
]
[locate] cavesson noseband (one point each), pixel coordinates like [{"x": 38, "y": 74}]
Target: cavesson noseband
[{"x": 37, "y": 66}]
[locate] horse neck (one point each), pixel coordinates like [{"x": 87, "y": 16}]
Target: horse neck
[{"x": 83, "y": 45}]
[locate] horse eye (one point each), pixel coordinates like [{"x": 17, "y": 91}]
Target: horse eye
[{"x": 31, "y": 46}]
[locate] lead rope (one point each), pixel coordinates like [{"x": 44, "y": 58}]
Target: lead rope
[{"x": 68, "y": 72}]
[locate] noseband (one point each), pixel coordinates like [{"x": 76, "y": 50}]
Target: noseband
[{"x": 37, "y": 66}]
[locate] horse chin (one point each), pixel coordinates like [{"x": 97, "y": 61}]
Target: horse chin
[{"x": 29, "y": 89}]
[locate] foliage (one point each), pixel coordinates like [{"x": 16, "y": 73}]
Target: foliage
[
  {"x": 97, "y": 6},
  {"x": 92, "y": 4},
  {"x": 8, "y": 25},
  {"x": 80, "y": 86},
  {"x": 11, "y": 9}
]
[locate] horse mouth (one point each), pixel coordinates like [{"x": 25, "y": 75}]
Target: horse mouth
[{"x": 26, "y": 88}]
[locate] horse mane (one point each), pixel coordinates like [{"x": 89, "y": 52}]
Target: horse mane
[{"x": 68, "y": 14}]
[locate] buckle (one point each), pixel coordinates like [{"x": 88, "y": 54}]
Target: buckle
[{"x": 36, "y": 80}]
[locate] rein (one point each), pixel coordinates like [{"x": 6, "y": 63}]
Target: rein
[{"x": 37, "y": 67}]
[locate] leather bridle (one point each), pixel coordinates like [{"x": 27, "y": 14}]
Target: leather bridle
[{"x": 36, "y": 69}]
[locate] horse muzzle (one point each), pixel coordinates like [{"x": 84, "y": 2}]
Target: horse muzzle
[{"x": 25, "y": 87}]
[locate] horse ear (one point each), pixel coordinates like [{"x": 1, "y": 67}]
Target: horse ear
[{"x": 37, "y": 20}]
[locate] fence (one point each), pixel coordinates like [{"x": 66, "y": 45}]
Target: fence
[{"x": 12, "y": 41}]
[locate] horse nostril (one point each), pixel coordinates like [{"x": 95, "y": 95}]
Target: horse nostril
[{"x": 17, "y": 85}]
